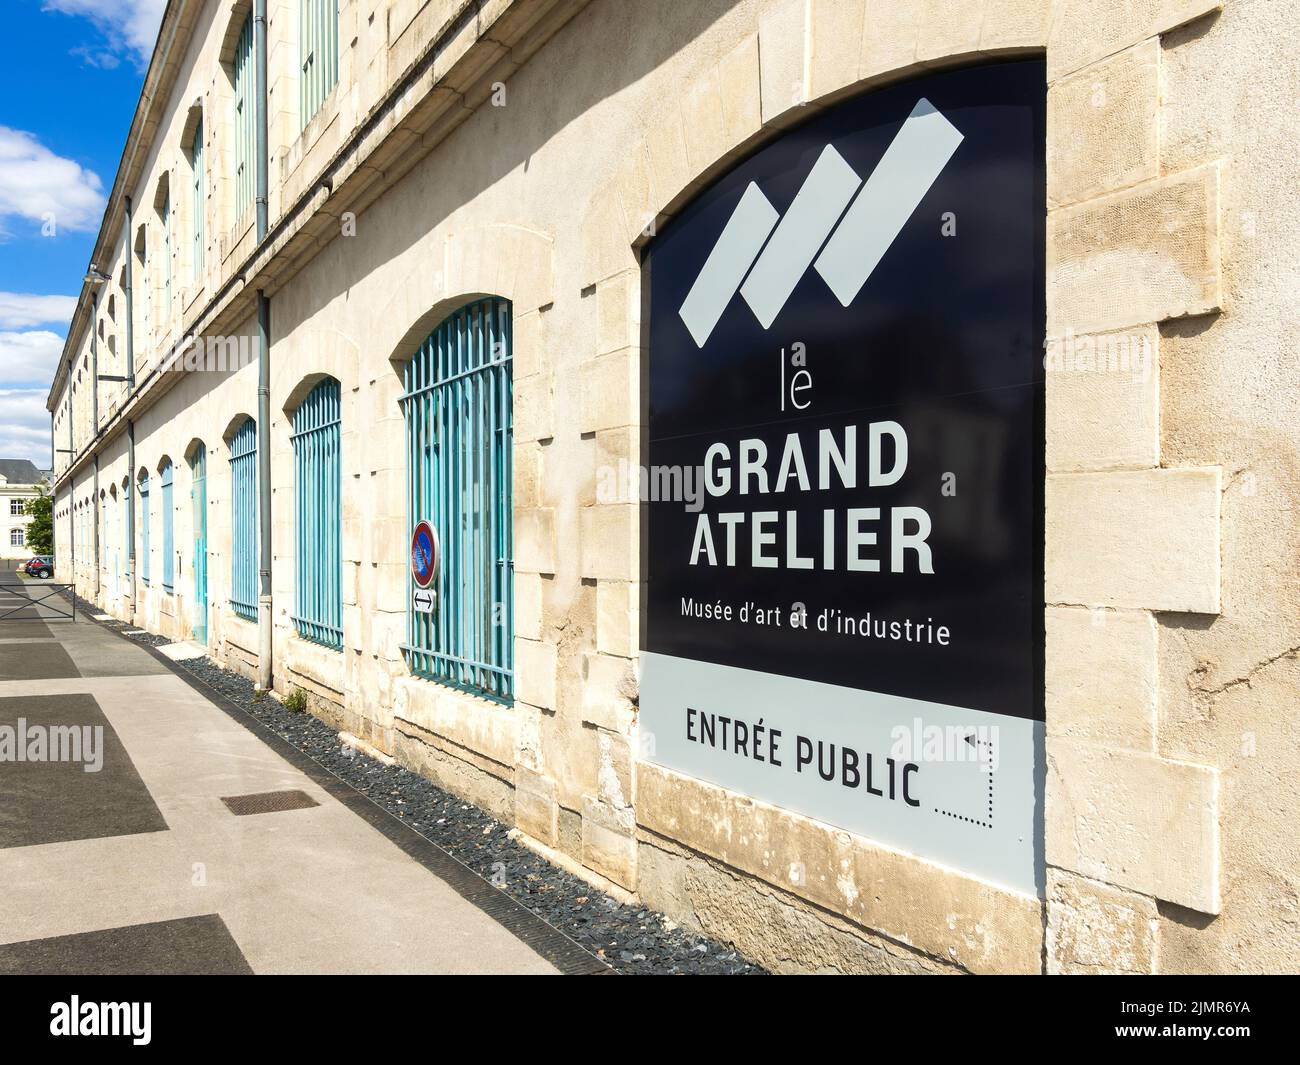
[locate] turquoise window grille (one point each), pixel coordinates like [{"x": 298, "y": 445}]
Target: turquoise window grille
[
  {"x": 245, "y": 84},
  {"x": 317, "y": 515},
  {"x": 243, "y": 522},
  {"x": 168, "y": 529},
  {"x": 144, "y": 529},
  {"x": 196, "y": 163},
  {"x": 457, "y": 409},
  {"x": 318, "y": 53}
]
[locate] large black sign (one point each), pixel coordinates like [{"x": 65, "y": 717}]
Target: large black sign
[
  {"x": 938, "y": 354},
  {"x": 845, "y": 425}
]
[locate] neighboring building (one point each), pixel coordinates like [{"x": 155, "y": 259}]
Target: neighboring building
[
  {"x": 864, "y": 221},
  {"x": 19, "y": 482}
]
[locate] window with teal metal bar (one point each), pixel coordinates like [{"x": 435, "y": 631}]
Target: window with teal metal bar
[
  {"x": 318, "y": 54},
  {"x": 168, "y": 529},
  {"x": 243, "y": 521},
  {"x": 457, "y": 408},
  {"x": 317, "y": 515},
  {"x": 144, "y": 529},
  {"x": 245, "y": 142}
]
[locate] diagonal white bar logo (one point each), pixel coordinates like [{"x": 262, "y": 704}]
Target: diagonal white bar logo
[{"x": 875, "y": 217}]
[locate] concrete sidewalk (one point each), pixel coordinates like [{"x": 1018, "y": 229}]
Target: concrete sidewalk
[{"x": 154, "y": 862}]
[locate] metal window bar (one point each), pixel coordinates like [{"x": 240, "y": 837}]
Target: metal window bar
[
  {"x": 144, "y": 530},
  {"x": 243, "y": 525},
  {"x": 196, "y": 161},
  {"x": 245, "y": 118},
  {"x": 318, "y": 488},
  {"x": 169, "y": 530},
  {"x": 318, "y": 54},
  {"x": 457, "y": 408}
]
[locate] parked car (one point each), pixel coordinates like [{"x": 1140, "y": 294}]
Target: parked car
[{"x": 41, "y": 566}]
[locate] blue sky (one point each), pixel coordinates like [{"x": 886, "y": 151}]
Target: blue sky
[{"x": 68, "y": 87}]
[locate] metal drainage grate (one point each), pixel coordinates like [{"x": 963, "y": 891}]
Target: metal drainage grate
[{"x": 268, "y": 802}]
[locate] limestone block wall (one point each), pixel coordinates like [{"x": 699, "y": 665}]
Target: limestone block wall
[{"x": 1171, "y": 454}]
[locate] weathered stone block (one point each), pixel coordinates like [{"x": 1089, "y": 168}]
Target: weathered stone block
[
  {"x": 1145, "y": 539},
  {"x": 609, "y": 692},
  {"x": 1095, "y": 928},
  {"x": 609, "y": 542},
  {"x": 535, "y": 672},
  {"x": 1103, "y": 130},
  {"x": 611, "y": 391},
  {"x": 742, "y": 109},
  {"x": 1103, "y": 400},
  {"x": 1101, "y": 676},
  {"x": 1015, "y": 24},
  {"x": 964, "y": 921},
  {"x": 617, "y": 618},
  {"x": 534, "y": 540},
  {"x": 609, "y": 842},
  {"x": 836, "y": 43},
  {"x": 1086, "y": 30},
  {"x": 1144, "y": 255},
  {"x": 618, "y": 313},
  {"x": 889, "y": 34},
  {"x": 948, "y": 28},
  {"x": 528, "y": 605},
  {"x": 536, "y": 809},
  {"x": 781, "y": 44},
  {"x": 1135, "y": 820}
]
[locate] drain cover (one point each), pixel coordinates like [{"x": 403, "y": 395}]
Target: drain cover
[{"x": 268, "y": 802}]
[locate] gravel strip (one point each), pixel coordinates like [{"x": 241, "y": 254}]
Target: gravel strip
[{"x": 631, "y": 939}]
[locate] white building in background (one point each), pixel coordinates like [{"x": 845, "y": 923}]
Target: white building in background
[{"x": 19, "y": 482}]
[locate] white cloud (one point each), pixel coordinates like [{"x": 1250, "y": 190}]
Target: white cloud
[
  {"x": 29, "y": 358},
  {"x": 129, "y": 26},
  {"x": 25, "y": 425},
  {"x": 37, "y": 184},
  {"x": 22, "y": 310}
]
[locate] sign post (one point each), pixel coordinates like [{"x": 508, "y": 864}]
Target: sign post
[{"x": 425, "y": 559}]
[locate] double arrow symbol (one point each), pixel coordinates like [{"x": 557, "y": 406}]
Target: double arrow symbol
[{"x": 877, "y": 210}]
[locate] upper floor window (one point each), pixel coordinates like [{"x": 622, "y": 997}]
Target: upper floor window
[
  {"x": 457, "y": 408},
  {"x": 317, "y": 516},
  {"x": 199, "y": 205},
  {"x": 245, "y": 80},
  {"x": 165, "y": 212},
  {"x": 318, "y": 52},
  {"x": 17, "y": 507}
]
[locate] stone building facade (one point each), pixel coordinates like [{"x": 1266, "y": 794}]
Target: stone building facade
[
  {"x": 19, "y": 485},
  {"x": 528, "y": 150}
]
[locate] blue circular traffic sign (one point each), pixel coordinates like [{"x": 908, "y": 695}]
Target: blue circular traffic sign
[{"x": 424, "y": 554}]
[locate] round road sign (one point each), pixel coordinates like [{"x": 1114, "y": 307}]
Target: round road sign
[{"x": 424, "y": 554}]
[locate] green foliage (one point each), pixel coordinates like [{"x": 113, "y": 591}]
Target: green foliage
[
  {"x": 40, "y": 531},
  {"x": 296, "y": 701}
]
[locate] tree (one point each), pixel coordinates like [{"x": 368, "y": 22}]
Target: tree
[{"x": 40, "y": 531}]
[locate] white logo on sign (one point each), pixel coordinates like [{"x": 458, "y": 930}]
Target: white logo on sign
[{"x": 766, "y": 271}]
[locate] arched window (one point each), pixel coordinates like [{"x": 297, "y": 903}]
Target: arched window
[
  {"x": 318, "y": 53},
  {"x": 168, "y": 528},
  {"x": 243, "y": 521},
  {"x": 199, "y": 205},
  {"x": 245, "y": 84},
  {"x": 144, "y": 528},
  {"x": 457, "y": 408},
  {"x": 317, "y": 515}
]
